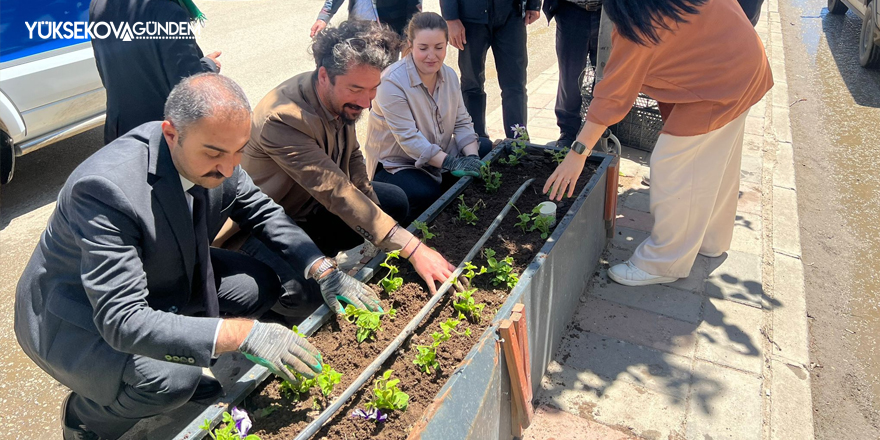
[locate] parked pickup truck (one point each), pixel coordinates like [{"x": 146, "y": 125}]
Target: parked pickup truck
[
  {"x": 869, "y": 39},
  {"x": 49, "y": 88}
]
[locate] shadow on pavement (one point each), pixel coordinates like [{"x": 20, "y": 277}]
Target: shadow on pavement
[
  {"x": 842, "y": 34},
  {"x": 41, "y": 174}
]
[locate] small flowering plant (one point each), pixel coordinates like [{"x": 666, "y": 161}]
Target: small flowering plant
[
  {"x": 374, "y": 414},
  {"x": 236, "y": 427}
]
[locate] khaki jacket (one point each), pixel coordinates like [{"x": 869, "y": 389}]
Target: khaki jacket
[{"x": 303, "y": 157}]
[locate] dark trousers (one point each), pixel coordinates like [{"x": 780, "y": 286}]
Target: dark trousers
[
  {"x": 246, "y": 288},
  {"x": 577, "y": 37},
  {"x": 420, "y": 187},
  {"x": 507, "y": 38},
  {"x": 331, "y": 235}
]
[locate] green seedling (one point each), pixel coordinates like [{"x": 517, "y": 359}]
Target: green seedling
[
  {"x": 502, "y": 269},
  {"x": 492, "y": 179},
  {"x": 524, "y": 219},
  {"x": 558, "y": 155},
  {"x": 426, "y": 359},
  {"x": 467, "y": 306},
  {"x": 386, "y": 395},
  {"x": 540, "y": 223},
  {"x": 368, "y": 323},
  {"x": 467, "y": 213},
  {"x": 423, "y": 228},
  {"x": 469, "y": 271},
  {"x": 391, "y": 282},
  {"x": 327, "y": 380},
  {"x": 298, "y": 390}
]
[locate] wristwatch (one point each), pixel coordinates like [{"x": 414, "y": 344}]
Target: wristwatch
[
  {"x": 326, "y": 264},
  {"x": 578, "y": 147}
]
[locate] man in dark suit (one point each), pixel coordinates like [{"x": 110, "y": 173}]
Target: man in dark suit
[
  {"x": 123, "y": 299},
  {"x": 139, "y": 74},
  {"x": 474, "y": 27},
  {"x": 577, "y": 40}
]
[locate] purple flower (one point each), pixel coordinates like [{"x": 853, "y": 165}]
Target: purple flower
[
  {"x": 242, "y": 422},
  {"x": 370, "y": 414}
]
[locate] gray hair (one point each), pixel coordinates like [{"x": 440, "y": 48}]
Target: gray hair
[
  {"x": 205, "y": 95},
  {"x": 374, "y": 45}
]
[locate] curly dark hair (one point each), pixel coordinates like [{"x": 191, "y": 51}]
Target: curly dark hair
[{"x": 355, "y": 43}]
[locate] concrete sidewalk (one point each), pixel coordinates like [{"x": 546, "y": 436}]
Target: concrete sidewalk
[{"x": 719, "y": 355}]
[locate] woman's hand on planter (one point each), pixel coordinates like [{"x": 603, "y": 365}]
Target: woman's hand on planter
[
  {"x": 337, "y": 286},
  {"x": 431, "y": 266},
  {"x": 564, "y": 178},
  {"x": 278, "y": 348}
]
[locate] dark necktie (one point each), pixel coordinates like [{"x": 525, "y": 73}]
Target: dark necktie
[{"x": 203, "y": 275}]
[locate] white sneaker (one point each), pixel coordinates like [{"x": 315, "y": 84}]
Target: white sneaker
[{"x": 630, "y": 275}]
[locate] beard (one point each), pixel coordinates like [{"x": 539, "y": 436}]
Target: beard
[{"x": 350, "y": 120}]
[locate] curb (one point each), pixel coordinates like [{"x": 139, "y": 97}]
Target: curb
[{"x": 790, "y": 396}]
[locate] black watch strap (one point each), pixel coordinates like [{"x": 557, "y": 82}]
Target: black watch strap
[{"x": 578, "y": 147}]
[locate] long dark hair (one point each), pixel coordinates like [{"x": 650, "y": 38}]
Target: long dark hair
[
  {"x": 420, "y": 22},
  {"x": 639, "y": 20}
]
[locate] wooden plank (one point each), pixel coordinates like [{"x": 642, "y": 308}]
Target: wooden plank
[
  {"x": 522, "y": 335},
  {"x": 513, "y": 358}
]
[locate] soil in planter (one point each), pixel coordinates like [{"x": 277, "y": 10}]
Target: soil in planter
[{"x": 336, "y": 340}]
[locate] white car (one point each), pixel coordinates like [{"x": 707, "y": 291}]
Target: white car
[
  {"x": 49, "y": 88},
  {"x": 869, "y": 39}
]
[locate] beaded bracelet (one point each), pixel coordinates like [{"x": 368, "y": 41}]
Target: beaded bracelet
[{"x": 414, "y": 250}]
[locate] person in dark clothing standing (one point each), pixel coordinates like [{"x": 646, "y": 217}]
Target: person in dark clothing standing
[
  {"x": 577, "y": 37},
  {"x": 394, "y": 13},
  {"x": 474, "y": 27},
  {"x": 139, "y": 74}
]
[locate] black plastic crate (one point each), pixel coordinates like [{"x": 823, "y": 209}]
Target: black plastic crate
[{"x": 639, "y": 128}]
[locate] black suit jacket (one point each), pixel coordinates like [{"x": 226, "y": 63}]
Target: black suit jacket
[
  {"x": 139, "y": 74},
  {"x": 477, "y": 11},
  {"x": 116, "y": 262}
]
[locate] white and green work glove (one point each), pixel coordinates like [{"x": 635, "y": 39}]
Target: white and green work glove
[
  {"x": 276, "y": 347},
  {"x": 460, "y": 166},
  {"x": 337, "y": 286}
]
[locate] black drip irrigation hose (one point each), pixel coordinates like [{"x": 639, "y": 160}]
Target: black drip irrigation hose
[{"x": 374, "y": 367}]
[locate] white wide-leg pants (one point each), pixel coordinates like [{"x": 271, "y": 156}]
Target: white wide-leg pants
[{"x": 694, "y": 190}]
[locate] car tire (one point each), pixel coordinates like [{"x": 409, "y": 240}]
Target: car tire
[
  {"x": 7, "y": 157},
  {"x": 837, "y": 7},
  {"x": 869, "y": 50}
]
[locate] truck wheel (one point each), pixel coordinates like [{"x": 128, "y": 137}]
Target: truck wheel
[
  {"x": 837, "y": 7},
  {"x": 7, "y": 158},
  {"x": 869, "y": 50}
]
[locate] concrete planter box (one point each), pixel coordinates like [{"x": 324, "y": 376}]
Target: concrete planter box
[{"x": 475, "y": 402}]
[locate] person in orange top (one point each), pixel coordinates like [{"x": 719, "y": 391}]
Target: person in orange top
[{"x": 704, "y": 59}]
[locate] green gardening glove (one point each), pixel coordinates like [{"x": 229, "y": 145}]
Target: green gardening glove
[
  {"x": 460, "y": 166},
  {"x": 278, "y": 348},
  {"x": 338, "y": 286}
]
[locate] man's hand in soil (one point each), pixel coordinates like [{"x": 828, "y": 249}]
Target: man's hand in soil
[
  {"x": 277, "y": 348},
  {"x": 461, "y": 166},
  {"x": 429, "y": 264},
  {"x": 337, "y": 286}
]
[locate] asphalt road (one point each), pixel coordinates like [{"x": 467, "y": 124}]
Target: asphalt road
[
  {"x": 835, "y": 114},
  {"x": 263, "y": 43}
]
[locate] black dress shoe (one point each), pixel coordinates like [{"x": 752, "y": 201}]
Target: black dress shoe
[
  {"x": 69, "y": 432},
  {"x": 208, "y": 388}
]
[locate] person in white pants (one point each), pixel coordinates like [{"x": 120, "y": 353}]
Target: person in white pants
[{"x": 704, "y": 59}]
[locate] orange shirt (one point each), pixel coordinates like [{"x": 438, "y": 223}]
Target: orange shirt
[{"x": 713, "y": 69}]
